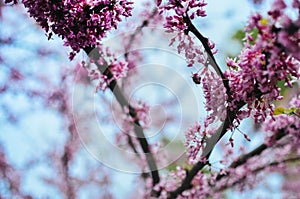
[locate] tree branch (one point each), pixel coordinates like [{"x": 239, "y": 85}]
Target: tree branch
[
  {"x": 117, "y": 92},
  {"x": 65, "y": 167},
  {"x": 257, "y": 151},
  {"x": 212, "y": 141},
  {"x": 293, "y": 159},
  {"x": 204, "y": 40}
]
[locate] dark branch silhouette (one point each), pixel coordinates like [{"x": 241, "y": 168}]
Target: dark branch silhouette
[{"x": 120, "y": 97}]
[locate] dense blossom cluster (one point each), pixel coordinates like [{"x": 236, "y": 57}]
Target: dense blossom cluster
[
  {"x": 182, "y": 9},
  {"x": 289, "y": 123},
  {"x": 170, "y": 182},
  {"x": 215, "y": 96},
  {"x": 194, "y": 143},
  {"x": 254, "y": 76},
  {"x": 80, "y": 23},
  {"x": 177, "y": 22},
  {"x": 291, "y": 183},
  {"x": 289, "y": 30},
  {"x": 274, "y": 158},
  {"x": 193, "y": 54},
  {"x": 201, "y": 185}
]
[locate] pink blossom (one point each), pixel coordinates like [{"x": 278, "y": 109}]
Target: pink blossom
[
  {"x": 187, "y": 46},
  {"x": 118, "y": 69},
  {"x": 194, "y": 143},
  {"x": 176, "y": 23},
  {"x": 79, "y": 23},
  {"x": 253, "y": 77},
  {"x": 289, "y": 123},
  {"x": 142, "y": 112},
  {"x": 215, "y": 96}
]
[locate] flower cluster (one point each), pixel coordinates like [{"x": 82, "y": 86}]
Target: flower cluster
[
  {"x": 79, "y": 23},
  {"x": 118, "y": 69},
  {"x": 288, "y": 122},
  {"x": 170, "y": 182},
  {"x": 215, "y": 96},
  {"x": 191, "y": 50},
  {"x": 195, "y": 141},
  {"x": 201, "y": 185},
  {"x": 291, "y": 183},
  {"x": 178, "y": 22},
  {"x": 254, "y": 76},
  {"x": 142, "y": 113},
  {"x": 142, "y": 110},
  {"x": 289, "y": 31},
  {"x": 182, "y": 9}
]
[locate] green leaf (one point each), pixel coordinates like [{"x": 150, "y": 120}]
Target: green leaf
[
  {"x": 240, "y": 35},
  {"x": 279, "y": 110},
  {"x": 289, "y": 111},
  {"x": 281, "y": 85}
]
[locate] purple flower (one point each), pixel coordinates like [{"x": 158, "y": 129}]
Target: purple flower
[
  {"x": 80, "y": 24},
  {"x": 253, "y": 77}
]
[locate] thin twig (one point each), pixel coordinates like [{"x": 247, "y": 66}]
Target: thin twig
[{"x": 137, "y": 31}]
